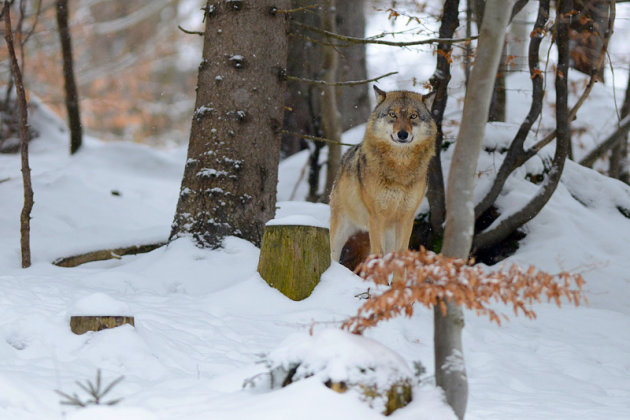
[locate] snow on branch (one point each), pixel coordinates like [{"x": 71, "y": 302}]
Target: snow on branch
[{"x": 431, "y": 280}]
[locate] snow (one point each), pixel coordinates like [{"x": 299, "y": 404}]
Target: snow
[
  {"x": 204, "y": 320},
  {"x": 99, "y": 304}
]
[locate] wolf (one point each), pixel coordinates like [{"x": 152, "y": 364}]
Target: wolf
[{"x": 382, "y": 180}]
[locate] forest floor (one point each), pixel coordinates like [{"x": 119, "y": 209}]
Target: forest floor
[{"x": 204, "y": 320}]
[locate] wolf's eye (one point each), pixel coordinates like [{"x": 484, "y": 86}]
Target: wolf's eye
[
  {"x": 413, "y": 116},
  {"x": 392, "y": 114}
]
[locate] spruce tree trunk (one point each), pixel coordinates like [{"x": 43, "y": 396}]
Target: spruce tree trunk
[
  {"x": 72, "y": 95},
  {"x": 450, "y": 370},
  {"x": 229, "y": 183}
]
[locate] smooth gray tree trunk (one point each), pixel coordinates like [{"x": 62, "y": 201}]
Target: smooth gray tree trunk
[{"x": 450, "y": 371}]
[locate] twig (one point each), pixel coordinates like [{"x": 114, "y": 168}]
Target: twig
[
  {"x": 357, "y": 40},
  {"x": 609, "y": 143},
  {"x": 186, "y": 31},
  {"x": 315, "y": 138},
  {"x": 299, "y": 180},
  {"x": 348, "y": 83},
  {"x": 614, "y": 91},
  {"x": 298, "y": 9}
]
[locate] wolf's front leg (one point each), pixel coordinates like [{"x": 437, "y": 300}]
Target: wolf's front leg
[
  {"x": 404, "y": 226},
  {"x": 377, "y": 233},
  {"x": 341, "y": 228}
]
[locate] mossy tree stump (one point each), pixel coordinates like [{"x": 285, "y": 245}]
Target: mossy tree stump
[
  {"x": 82, "y": 324},
  {"x": 293, "y": 258}
]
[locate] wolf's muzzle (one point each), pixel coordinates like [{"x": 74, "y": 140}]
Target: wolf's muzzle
[{"x": 402, "y": 137}]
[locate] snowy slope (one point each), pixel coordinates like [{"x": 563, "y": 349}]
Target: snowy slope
[{"x": 203, "y": 318}]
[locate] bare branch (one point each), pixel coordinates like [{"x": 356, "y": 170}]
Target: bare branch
[
  {"x": 610, "y": 142},
  {"x": 131, "y": 19},
  {"x": 298, "y": 9},
  {"x": 348, "y": 83},
  {"x": 356, "y": 40},
  {"x": 315, "y": 138},
  {"x": 186, "y": 31}
]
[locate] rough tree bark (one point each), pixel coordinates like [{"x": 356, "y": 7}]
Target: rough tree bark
[
  {"x": 229, "y": 182},
  {"x": 72, "y": 95},
  {"x": 25, "y": 217},
  {"x": 450, "y": 372}
]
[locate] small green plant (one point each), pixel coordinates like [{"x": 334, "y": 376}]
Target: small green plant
[{"x": 95, "y": 392}]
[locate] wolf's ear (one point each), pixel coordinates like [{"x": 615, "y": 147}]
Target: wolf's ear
[
  {"x": 380, "y": 95},
  {"x": 428, "y": 99}
]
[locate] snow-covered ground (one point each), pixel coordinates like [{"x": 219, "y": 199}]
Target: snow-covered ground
[{"x": 205, "y": 320}]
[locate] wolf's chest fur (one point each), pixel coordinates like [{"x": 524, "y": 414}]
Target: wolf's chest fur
[{"x": 395, "y": 176}]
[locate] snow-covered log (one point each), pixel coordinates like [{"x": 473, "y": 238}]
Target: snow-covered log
[{"x": 83, "y": 324}]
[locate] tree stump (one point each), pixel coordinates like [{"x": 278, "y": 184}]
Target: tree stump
[
  {"x": 82, "y": 324},
  {"x": 293, "y": 258}
]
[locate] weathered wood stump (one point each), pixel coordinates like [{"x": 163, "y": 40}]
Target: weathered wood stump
[
  {"x": 82, "y": 324},
  {"x": 293, "y": 258}
]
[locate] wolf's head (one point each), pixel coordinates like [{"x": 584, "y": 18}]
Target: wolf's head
[{"x": 403, "y": 117}]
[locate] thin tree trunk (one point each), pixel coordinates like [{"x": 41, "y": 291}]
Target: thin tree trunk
[
  {"x": 439, "y": 82},
  {"x": 72, "y": 95},
  {"x": 331, "y": 120},
  {"x": 25, "y": 217},
  {"x": 450, "y": 371},
  {"x": 619, "y": 155}
]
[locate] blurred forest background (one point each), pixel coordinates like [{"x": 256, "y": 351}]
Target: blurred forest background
[{"x": 135, "y": 70}]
